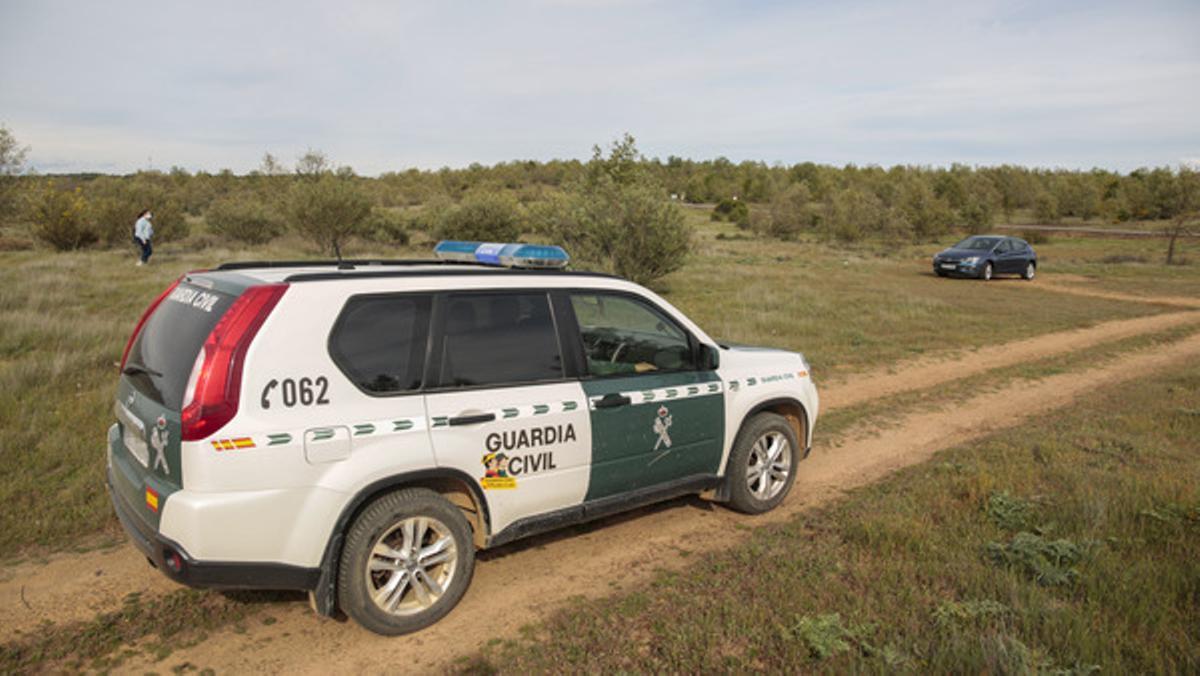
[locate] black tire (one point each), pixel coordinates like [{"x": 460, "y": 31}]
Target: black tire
[
  {"x": 986, "y": 274},
  {"x": 738, "y": 471},
  {"x": 380, "y": 521},
  {"x": 1030, "y": 271}
]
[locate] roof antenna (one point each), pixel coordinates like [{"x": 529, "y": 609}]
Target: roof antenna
[{"x": 337, "y": 251}]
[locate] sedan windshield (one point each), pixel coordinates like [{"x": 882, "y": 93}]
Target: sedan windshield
[{"x": 978, "y": 243}]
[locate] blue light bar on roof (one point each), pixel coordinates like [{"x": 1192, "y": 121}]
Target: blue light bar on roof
[{"x": 507, "y": 255}]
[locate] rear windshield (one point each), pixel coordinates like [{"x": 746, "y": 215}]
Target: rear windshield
[{"x": 160, "y": 361}]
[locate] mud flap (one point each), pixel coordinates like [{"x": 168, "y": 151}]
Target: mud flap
[{"x": 323, "y": 599}]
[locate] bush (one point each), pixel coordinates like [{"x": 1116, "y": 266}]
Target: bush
[
  {"x": 854, "y": 213},
  {"x": 731, "y": 210},
  {"x": 480, "y": 217},
  {"x": 787, "y": 215},
  {"x": 1045, "y": 208},
  {"x": 977, "y": 215},
  {"x": 59, "y": 218},
  {"x": 388, "y": 226},
  {"x": 618, "y": 218},
  {"x": 117, "y": 202},
  {"x": 243, "y": 218},
  {"x": 328, "y": 210}
]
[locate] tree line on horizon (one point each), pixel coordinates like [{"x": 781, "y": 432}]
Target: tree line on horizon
[{"x": 613, "y": 194}]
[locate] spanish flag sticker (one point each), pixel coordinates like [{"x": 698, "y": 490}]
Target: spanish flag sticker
[{"x": 152, "y": 499}]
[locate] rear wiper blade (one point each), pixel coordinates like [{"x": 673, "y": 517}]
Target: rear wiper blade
[{"x": 134, "y": 369}]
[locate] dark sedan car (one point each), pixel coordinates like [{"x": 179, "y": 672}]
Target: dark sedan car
[{"x": 984, "y": 256}]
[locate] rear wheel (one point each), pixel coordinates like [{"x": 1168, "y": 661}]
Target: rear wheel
[
  {"x": 986, "y": 275},
  {"x": 407, "y": 561},
  {"x": 762, "y": 465},
  {"x": 1030, "y": 270}
]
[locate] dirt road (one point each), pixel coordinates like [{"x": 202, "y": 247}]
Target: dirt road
[{"x": 520, "y": 583}]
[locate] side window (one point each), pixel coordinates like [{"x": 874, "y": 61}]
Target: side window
[
  {"x": 499, "y": 338},
  {"x": 379, "y": 342},
  {"x": 624, "y": 335},
  {"x": 1020, "y": 245},
  {"x": 1005, "y": 246}
]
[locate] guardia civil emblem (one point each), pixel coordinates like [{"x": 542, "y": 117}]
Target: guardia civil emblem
[
  {"x": 661, "y": 426},
  {"x": 158, "y": 440}
]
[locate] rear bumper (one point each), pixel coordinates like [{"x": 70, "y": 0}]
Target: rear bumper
[{"x": 177, "y": 564}]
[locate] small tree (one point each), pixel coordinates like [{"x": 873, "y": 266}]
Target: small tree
[
  {"x": 481, "y": 217},
  {"x": 59, "y": 218},
  {"x": 244, "y": 218},
  {"x": 313, "y": 164},
  {"x": 1045, "y": 208},
  {"x": 1187, "y": 208},
  {"x": 328, "y": 211},
  {"x": 12, "y": 163},
  {"x": 115, "y": 203},
  {"x": 618, "y": 217}
]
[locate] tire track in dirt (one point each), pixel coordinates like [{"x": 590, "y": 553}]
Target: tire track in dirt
[
  {"x": 1063, "y": 284},
  {"x": 923, "y": 373},
  {"x": 75, "y": 587},
  {"x": 520, "y": 584}
]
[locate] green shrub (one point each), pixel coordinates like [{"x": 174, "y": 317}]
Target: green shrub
[
  {"x": 618, "y": 218},
  {"x": 1045, "y": 208},
  {"x": 243, "y": 218},
  {"x": 1035, "y": 236},
  {"x": 59, "y": 218},
  {"x": 731, "y": 210},
  {"x": 788, "y": 214},
  {"x": 977, "y": 215},
  {"x": 480, "y": 217},
  {"x": 328, "y": 210},
  {"x": 116, "y": 203},
  {"x": 388, "y": 226}
]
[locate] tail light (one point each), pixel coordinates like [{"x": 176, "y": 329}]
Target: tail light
[
  {"x": 211, "y": 397},
  {"x": 137, "y": 329}
]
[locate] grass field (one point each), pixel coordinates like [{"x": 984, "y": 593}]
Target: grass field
[
  {"x": 1069, "y": 545},
  {"x": 66, "y": 318}
]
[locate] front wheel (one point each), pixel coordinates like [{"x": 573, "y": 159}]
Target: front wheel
[
  {"x": 986, "y": 275},
  {"x": 1030, "y": 271},
  {"x": 407, "y": 561},
  {"x": 762, "y": 466}
]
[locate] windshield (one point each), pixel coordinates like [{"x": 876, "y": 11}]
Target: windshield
[
  {"x": 977, "y": 243},
  {"x": 161, "y": 359}
]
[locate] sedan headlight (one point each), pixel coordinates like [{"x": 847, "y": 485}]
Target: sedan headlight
[{"x": 972, "y": 260}]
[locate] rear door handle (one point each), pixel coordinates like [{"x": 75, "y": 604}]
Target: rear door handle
[
  {"x": 613, "y": 400},
  {"x": 471, "y": 419}
]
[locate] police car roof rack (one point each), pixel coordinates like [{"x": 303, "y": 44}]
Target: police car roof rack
[{"x": 353, "y": 263}]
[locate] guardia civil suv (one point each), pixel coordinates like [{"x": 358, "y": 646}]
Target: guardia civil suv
[{"x": 359, "y": 429}]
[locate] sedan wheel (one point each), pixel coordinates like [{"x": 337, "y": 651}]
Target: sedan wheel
[
  {"x": 1030, "y": 270},
  {"x": 987, "y": 273}
]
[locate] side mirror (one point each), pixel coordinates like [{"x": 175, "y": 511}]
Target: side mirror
[{"x": 710, "y": 358}]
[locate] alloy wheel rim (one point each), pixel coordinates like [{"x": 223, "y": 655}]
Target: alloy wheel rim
[
  {"x": 411, "y": 566},
  {"x": 770, "y": 465},
  {"x": 987, "y": 272},
  {"x": 1030, "y": 271}
]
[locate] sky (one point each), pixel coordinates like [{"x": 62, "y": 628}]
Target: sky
[{"x": 120, "y": 86}]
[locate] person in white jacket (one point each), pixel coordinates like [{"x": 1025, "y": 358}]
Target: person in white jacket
[{"x": 143, "y": 230}]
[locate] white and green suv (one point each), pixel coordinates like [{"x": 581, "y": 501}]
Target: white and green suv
[{"x": 358, "y": 429}]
